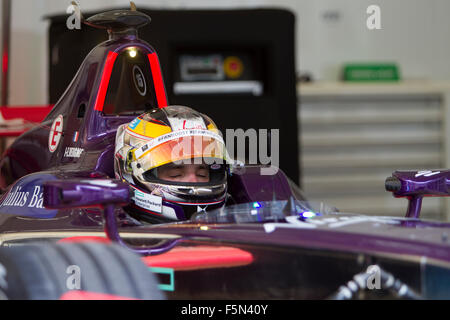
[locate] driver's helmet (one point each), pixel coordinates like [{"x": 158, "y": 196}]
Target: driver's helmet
[{"x": 168, "y": 138}]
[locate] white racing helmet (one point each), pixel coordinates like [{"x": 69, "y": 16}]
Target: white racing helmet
[{"x": 171, "y": 136}]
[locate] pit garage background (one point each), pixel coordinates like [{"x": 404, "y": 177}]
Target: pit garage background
[{"x": 346, "y": 136}]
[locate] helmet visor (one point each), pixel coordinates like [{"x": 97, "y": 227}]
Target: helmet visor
[
  {"x": 190, "y": 175},
  {"x": 192, "y": 149}
]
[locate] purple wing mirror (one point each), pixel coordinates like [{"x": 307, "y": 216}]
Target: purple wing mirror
[
  {"x": 83, "y": 193},
  {"x": 103, "y": 193},
  {"x": 415, "y": 185}
]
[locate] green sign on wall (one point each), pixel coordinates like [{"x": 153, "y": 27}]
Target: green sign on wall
[{"x": 371, "y": 72}]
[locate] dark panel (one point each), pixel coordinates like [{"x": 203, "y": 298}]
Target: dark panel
[{"x": 263, "y": 40}]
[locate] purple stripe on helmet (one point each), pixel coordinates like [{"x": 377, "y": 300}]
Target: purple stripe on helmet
[{"x": 177, "y": 208}]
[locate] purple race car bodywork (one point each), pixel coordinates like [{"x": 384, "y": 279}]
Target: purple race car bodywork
[{"x": 272, "y": 244}]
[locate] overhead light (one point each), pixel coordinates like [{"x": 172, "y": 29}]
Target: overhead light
[{"x": 132, "y": 52}]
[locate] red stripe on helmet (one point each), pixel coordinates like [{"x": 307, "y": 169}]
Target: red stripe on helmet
[
  {"x": 106, "y": 75},
  {"x": 158, "y": 80}
]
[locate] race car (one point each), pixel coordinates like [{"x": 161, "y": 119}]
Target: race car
[{"x": 272, "y": 243}]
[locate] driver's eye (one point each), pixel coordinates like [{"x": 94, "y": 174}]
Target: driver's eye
[
  {"x": 174, "y": 173},
  {"x": 203, "y": 172}
]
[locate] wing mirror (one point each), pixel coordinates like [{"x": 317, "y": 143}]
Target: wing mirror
[
  {"x": 415, "y": 185},
  {"x": 85, "y": 193},
  {"x": 103, "y": 193}
]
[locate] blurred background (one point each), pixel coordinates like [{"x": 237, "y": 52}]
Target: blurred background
[{"x": 361, "y": 93}]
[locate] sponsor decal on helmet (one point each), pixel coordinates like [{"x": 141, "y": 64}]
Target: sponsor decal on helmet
[
  {"x": 133, "y": 124},
  {"x": 55, "y": 133},
  {"x": 183, "y": 124},
  {"x": 147, "y": 201}
]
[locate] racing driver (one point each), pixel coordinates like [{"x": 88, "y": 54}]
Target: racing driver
[{"x": 175, "y": 160}]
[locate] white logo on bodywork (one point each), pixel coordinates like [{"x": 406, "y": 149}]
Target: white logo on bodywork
[
  {"x": 55, "y": 133},
  {"x": 72, "y": 152},
  {"x": 139, "y": 81},
  {"x": 426, "y": 173}
]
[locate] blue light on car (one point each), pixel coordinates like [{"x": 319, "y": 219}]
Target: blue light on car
[
  {"x": 308, "y": 214},
  {"x": 256, "y": 205}
]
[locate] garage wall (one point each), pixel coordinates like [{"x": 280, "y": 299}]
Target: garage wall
[
  {"x": 413, "y": 34},
  {"x": 330, "y": 32}
]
